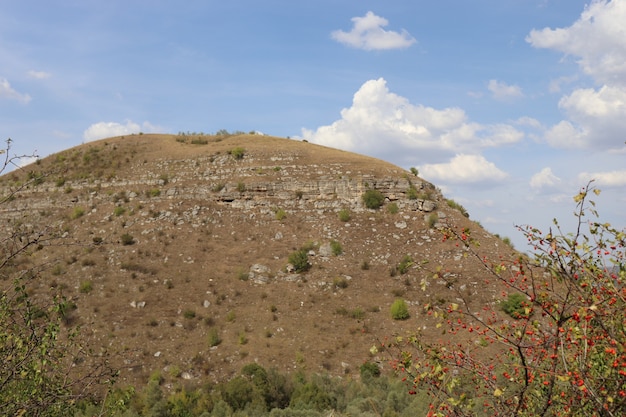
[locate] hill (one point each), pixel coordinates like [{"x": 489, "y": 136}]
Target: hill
[{"x": 179, "y": 253}]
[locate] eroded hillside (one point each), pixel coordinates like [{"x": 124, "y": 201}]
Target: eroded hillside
[{"x": 175, "y": 251}]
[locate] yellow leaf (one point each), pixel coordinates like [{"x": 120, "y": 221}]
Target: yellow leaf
[
  {"x": 454, "y": 306},
  {"x": 597, "y": 192},
  {"x": 497, "y": 393}
]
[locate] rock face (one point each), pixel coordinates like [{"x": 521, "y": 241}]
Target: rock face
[{"x": 183, "y": 243}]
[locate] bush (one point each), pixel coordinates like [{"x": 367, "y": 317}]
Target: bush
[
  {"x": 453, "y": 204},
  {"x": 237, "y": 153},
  {"x": 405, "y": 264},
  {"x": 344, "y": 215},
  {"x": 432, "y": 220},
  {"x": 392, "y": 208},
  {"x": 369, "y": 370},
  {"x": 128, "y": 239},
  {"x": 280, "y": 214},
  {"x": 214, "y": 338},
  {"x": 567, "y": 359},
  {"x": 373, "y": 199},
  {"x": 300, "y": 260},
  {"x": 336, "y": 248},
  {"x": 411, "y": 193},
  {"x": 517, "y": 306},
  {"x": 85, "y": 287},
  {"x": 399, "y": 310},
  {"x": 340, "y": 282},
  {"x": 118, "y": 210},
  {"x": 77, "y": 213}
]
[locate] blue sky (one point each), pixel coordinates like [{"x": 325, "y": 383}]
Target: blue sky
[{"x": 508, "y": 106}]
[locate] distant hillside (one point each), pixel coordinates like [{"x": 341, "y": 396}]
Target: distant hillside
[{"x": 180, "y": 252}]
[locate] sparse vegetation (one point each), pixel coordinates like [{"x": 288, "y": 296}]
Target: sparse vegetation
[
  {"x": 300, "y": 260},
  {"x": 237, "y": 153},
  {"x": 453, "y": 204},
  {"x": 344, "y": 215},
  {"x": 392, "y": 208},
  {"x": 336, "y": 247},
  {"x": 373, "y": 199},
  {"x": 405, "y": 264},
  {"x": 399, "y": 310},
  {"x": 432, "y": 220},
  {"x": 85, "y": 287},
  {"x": 280, "y": 214},
  {"x": 127, "y": 239},
  {"x": 78, "y": 212}
]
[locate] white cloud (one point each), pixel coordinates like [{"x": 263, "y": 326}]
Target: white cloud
[
  {"x": 103, "y": 130},
  {"x": 39, "y": 75},
  {"x": 6, "y": 91},
  {"x": 545, "y": 179},
  {"x": 596, "y": 118},
  {"x": 385, "y": 124},
  {"x": 367, "y": 33},
  {"x": 604, "y": 179},
  {"x": 464, "y": 169},
  {"x": 504, "y": 92},
  {"x": 597, "y": 38}
]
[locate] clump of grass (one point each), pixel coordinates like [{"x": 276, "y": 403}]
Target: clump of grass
[
  {"x": 280, "y": 214},
  {"x": 432, "y": 220},
  {"x": 399, "y": 310},
  {"x": 189, "y": 314},
  {"x": 392, "y": 208},
  {"x": 340, "y": 282},
  {"x": 336, "y": 248},
  {"x": 77, "y": 213},
  {"x": 230, "y": 316},
  {"x": 453, "y": 204},
  {"x": 241, "y": 186},
  {"x": 344, "y": 215},
  {"x": 85, "y": 287},
  {"x": 214, "y": 338},
  {"x": 405, "y": 264},
  {"x": 127, "y": 239},
  {"x": 300, "y": 260},
  {"x": 237, "y": 153},
  {"x": 119, "y": 210}
]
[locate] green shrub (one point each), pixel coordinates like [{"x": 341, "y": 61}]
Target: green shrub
[
  {"x": 241, "y": 186},
  {"x": 344, "y": 215},
  {"x": 411, "y": 193},
  {"x": 280, "y": 214},
  {"x": 154, "y": 192},
  {"x": 399, "y": 310},
  {"x": 392, "y": 208},
  {"x": 405, "y": 264},
  {"x": 373, "y": 199},
  {"x": 300, "y": 260},
  {"x": 189, "y": 314},
  {"x": 78, "y": 212},
  {"x": 358, "y": 313},
  {"x": 214, "y": 337},
  {"x": 453, "y": 204},
  {"x": 119, "y": 210},
  {"x": 432, "y": 220},
  {"x": 237, "y": 153},
  {"x": 517, "y": 306},
  {"x": 414, "y": 171},
  {"x": 336, "y": 248},
  {"x": 85, "y": 287},
  {"x": 127, "y": 239},
  {"x": 340, "y": 282},
  {"x": 369, "y": 370}
]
